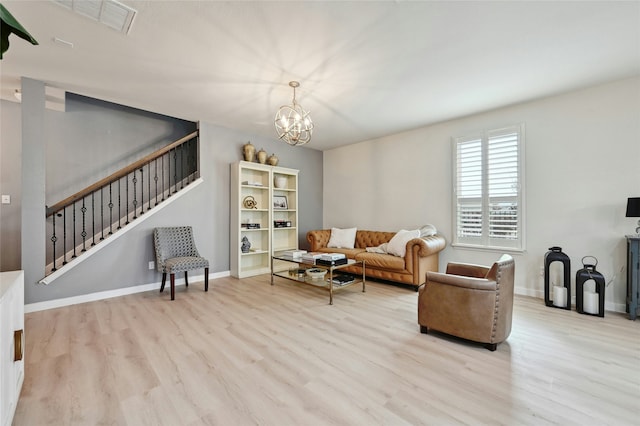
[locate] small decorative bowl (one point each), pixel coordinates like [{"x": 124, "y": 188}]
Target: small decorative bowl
[{"x": 316, "y": 273}]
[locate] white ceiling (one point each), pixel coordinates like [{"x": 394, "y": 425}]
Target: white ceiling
[{"x": 367, "y": 69}]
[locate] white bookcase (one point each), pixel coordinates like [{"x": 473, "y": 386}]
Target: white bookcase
[{"x": 256, "y": 183}]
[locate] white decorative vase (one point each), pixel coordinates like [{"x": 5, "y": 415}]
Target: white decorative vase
[{"x": 280, "y": 182}]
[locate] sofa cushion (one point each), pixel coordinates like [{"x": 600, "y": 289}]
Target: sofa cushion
[
  {"x": 381, "y": 261},
  {"x": 342, "y": 238},
  {"x": 398, "y": 244}
]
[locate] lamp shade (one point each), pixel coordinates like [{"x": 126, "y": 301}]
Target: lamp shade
[{"x": 633, "y": 207}]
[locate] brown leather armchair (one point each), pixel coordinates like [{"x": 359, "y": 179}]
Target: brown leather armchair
[{"x": 469, "y": 301}]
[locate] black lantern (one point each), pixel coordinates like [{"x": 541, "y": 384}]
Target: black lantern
[
  {"x": 561, "y": 293},
  {"x": 591, "y": 303}
]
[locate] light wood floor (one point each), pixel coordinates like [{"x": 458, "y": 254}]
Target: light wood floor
[{"x": 248, "y": 353}]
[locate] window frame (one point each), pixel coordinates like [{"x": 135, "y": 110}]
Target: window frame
[{"x": 483, "y": 240}]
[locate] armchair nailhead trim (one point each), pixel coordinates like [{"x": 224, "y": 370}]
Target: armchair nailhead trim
[{"x": 497, "y": 304}]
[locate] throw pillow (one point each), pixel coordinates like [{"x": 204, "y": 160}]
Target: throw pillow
[
  {"x": 382, "y": 248},
  {"x": 342, "y": 238},
  {"x": 398, "y": 244}
]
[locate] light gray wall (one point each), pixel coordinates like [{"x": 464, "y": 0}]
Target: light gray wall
[
  {"x": 10, "y": 184},
  {"x": 124, "y": 262},
  {"x": 582, "y": 162}
]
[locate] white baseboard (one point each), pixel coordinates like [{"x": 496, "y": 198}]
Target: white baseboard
[
  {"x": 101, "y": 295},
  {"x": 539, "y": 294}
]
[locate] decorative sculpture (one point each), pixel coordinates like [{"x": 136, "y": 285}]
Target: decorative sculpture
[{"x": 246, "y": 245}]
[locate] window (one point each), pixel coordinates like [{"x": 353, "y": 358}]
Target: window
[{"x": 488, "y": 184}]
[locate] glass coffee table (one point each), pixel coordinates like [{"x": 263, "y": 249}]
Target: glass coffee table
[{"x": 329, "y": 281}]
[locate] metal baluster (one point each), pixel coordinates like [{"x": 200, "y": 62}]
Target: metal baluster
[
  {"x": 83, "y": 234},
  {"x": 110, "y": 208},
  {"x": 168, "y": 174},
  {"x": 181, "y": 166},
  {"x": 185, "y": 161},
  {"x": 119, "y": 206},
  {"x": 175, "y": 171},
  {"x": 192, "y": 161},
  {"x": 64, "y": 236},
  {"x": 162, "y": 169},
  {"x": 149, "y": 185},
  {"x": 53, "y": 240},
  {"x": 187, "y": 146},
  {"x": 126, "y": 202},
  {"x": 155, "y": 178},
  {"x": 142, "y": 190},
  {"x": 135, "y": 200},
  {"x": 102, "y": 213},
  {"x": 93, "y": 219},
  {"x": 74, "y": 230}
]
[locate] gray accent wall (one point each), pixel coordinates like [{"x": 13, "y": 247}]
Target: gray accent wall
[
  {"x": 94, "y": 138},
  {"x": 108, "y": 137},
  {"x": 33, "y": 180}
]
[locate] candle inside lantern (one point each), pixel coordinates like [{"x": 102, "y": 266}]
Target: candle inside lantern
[
  {"x": 591, "y": 300},
  {"x": 560, "y": 296}
]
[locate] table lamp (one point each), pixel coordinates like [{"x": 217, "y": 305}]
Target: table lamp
[{"x": 633, "y": 210}]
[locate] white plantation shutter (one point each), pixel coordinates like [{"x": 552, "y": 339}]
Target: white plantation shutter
[
  {"x": 469, "y": 188},
  {"x": 488, "y": 189}
]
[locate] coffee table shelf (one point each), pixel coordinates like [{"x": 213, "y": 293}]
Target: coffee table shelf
[{"x": 325, "y": 283}]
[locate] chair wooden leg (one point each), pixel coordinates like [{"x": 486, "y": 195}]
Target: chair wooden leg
[
  {"x": 424, "y": 329},
  {"x": 164, "y": 279},
  {"x": 186, "y": 282},
  {"x": 173, "y": 286},
  {"x": 206, "y": 279}
]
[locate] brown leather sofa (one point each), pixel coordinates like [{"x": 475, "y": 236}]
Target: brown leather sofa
[
  {"x": 421, "y": 255},
  {"x": 469, "y": 301}
]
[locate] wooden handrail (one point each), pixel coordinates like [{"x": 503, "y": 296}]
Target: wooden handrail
[{"x": 117, "y": 175}]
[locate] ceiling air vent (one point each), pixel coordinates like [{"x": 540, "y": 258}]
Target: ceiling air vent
[{"x": 111, "y": 13}]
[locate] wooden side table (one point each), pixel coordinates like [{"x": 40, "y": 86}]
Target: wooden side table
[{"x": 633, "y": 274}]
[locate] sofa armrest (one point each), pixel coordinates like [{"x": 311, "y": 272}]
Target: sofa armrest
[
  {"x": 426, "y": 246},
  {"x": 470, "y": 283},
  {"x": 318, "y": 239}
]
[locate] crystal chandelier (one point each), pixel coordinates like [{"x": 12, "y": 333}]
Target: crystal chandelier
[{"x": 293, "y": 124}]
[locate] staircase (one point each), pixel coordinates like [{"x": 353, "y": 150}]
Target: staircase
[{"x": 82, "y": 222}]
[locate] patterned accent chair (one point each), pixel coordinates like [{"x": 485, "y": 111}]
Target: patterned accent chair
[
  {"x": 469, "y": 301},
  {"x": 176, "y": 252}
]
